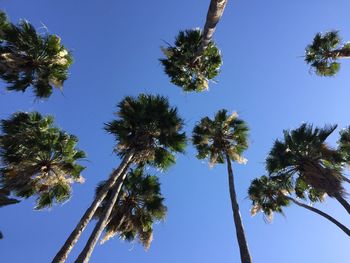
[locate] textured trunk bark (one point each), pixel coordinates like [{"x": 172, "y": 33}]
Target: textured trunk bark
[
  {"x": 242, "y": 241},
  {"x": 319, "y": 212},
  {"x": 343, "y": 202},
  {"x": 62, "y": 255},
  {"x": 85, "y": 255},
  {"x": 216, "y": 9},
  {"x": 341, "y": 53}
]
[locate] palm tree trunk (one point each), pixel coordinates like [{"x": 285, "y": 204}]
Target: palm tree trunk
[
  {"x": 325, "y": 215},
  {"x": 62, "y": 255},
  {"x": 345, "y": 179},
  {"x": 343, "y": 202},
  {"x": 85, "y": 255},
  {"x": 216, "y": 9},
  {"x": 242, "y": 241}
]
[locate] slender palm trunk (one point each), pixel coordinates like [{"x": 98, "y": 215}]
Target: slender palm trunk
[
  {"x": 216, "y": 9},
  {"x": 242, "y": 241},
  {"x": 325, "y": 215},
  {"x": 341, "y": 53},
  {"x": 62, "y": 255},
  {"x": 345, "y": 179},
  {"x": 85, "y": 255},
  {"x": 343, "y": 202}
]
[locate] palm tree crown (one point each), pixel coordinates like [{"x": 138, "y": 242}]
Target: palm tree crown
[
  {"x": 184, "y": 68},
  {"x": 28, "y": 58},
  {"x": 139, "y": 205},
  {"x": 304, "y": 153},
  {"x": 323, "y": 53},
  {"x": 268, "y": 195},
  {"x": 38, "y": 159},
  {"x": 224, "y": 135},
  {"x": 149, "y": 127}
]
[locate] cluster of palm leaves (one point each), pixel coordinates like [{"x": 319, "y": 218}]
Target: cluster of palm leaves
[
  {"x": 38, "y": 159},
  {"x": 194, "y": 59},
  {"x": 139, "y": 205},
  {"x": 184, "y": 68},
  {"x": 304, "y": 165},
  {"x": 324, "y": 52},
  {"x": 28, "y": 58}
]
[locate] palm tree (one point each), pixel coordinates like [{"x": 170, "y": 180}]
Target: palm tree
[
  {"x": 324, "y": 52},
  {"x": 183, "y": 70},
  {"x": 195, "y": 59},
  {"x": 304, "y": 154},
  {"x": 147, "y": 131},
  {"x": 271, "y": 195},
  {"x": 38, "y": 159},
  {"x": 28, "y": 58},
  {"x": 139, "y": 205},
  {"x": 224, "y": 139}
]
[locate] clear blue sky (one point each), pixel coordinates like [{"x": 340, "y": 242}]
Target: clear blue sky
[{"x": 116, "y": 49}]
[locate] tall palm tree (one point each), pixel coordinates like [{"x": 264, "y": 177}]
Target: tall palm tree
[
  {"x": 38, "y": 159},
  {"x": 304, "y": 154},
  {"x": 195, "y": 59},
  {"x": 224, "y": 139},
  {"x": 271, "y": 195},
  {"x": 324, "y": 52},
  {"x": 147, "y": 131},
  {"x": 139, "y": 205},
  {"x": 28, "y": 58}
]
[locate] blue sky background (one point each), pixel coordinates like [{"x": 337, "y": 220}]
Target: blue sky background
[{"x": 116, "y": 49}]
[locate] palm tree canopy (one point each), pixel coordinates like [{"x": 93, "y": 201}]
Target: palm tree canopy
[
  {"x": 225, "y": 134},
  {"x": 149, "y": 127},
  {"x": 184, "y": 69},
  {"x": 38, "y": 159},
  {"x": 270, "y": 194},
  {"x": 304, "y": 153},
  {"x": 267, "y": 195},
  {"x": 344, "y": 143},
  {"x": 139, "y": 205},
  {"x": 324, "y": 51},
  {"x": 28, "y": 58}
]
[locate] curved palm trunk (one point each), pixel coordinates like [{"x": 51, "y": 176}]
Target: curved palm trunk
[
  {"x": 319, "y": 212},
  {"x": 343, "y": 202},
  {"x": 242, "y": 241},
  {"x": 62, "y": 255},
  {"x": 216, "y": 9},
  {"x": 85, "y": 255}
]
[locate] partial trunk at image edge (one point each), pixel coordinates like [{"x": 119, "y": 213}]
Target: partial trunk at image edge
[
  {"x": 319, "y": 212},
  {"x": 62, "y": 255},
  {"x": 85, "y": 255},
  {"x": 241, "y": 238},
  {"x": 215, "y": 12}
]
